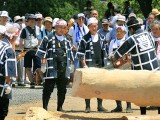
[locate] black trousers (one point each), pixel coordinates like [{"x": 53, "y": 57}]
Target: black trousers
[
  {"x": 143, "y": 110},
  {"x": 4, "y": 104},
  {"x": 49, "y": 85}
]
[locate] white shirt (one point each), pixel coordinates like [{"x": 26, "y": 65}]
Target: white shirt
[
  {"x": 72, "y": 32},
  {"x": 94, "y": 38},
  {"x": 156, "y": 39},
  {"x": 60, "y": 38},
  {"x": 114, "y": 44}
]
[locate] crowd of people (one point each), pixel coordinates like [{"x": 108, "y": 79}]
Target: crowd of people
[{"x": 49, "y": 48}]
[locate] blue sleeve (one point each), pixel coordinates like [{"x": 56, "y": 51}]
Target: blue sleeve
[
  {"x": 10, "y": 63},
  {"x": 41, "y": 52}
]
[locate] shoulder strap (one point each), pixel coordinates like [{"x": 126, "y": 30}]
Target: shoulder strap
[{"x": 74, "y": 26}]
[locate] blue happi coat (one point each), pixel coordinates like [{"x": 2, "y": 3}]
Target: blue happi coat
[
  {"x": 48, "y": 49},
  {"x": 8, "y": 64}
]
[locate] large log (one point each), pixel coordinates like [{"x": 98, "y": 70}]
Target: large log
[
  {"x": 145, "y": 117},
  {"x": 141, "y": 87}
]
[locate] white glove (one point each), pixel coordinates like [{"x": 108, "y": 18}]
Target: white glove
[
  {"x": 85, "y": 66},
  {"x": 72, "y": 68},
  {"x": 43, "y": 68},
  {"x": 111, "y": 55},
  {"x": 7, "y": 89}
]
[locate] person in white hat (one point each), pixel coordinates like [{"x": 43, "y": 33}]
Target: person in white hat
[
  {"x": 141, "y": 23},
  {"x": 4, "y": 19},
  {"x": 121, "y": 20},
  {"x": 39, "y": 23},
  {"x": 10, "y": 36},
  {"x": 136, "y": 46},
  {"x": 8, "y": 70},
  {"x": 115, "y": 44},
  {"x": 92, "y": 53},
  {"x": 58, "y": 60},
  {"x": 132, "y": 16}
]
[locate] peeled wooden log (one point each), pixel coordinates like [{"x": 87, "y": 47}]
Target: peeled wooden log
[
  {"x": 141, "y": 87},
  {"x": 37, "y": 113},
  {"x": 145, "y": 117}
]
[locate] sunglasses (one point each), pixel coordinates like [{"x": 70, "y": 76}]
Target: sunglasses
[{"x": 38, "y": 19}]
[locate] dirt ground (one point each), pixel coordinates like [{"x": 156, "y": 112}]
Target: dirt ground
[{"x": 75, "y": 110}]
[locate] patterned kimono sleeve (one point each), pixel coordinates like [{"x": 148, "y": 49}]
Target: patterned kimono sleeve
[
  {"x": 81, "y": 50},
  {"x": 41, "y": 52},
  {"x": 125, "y": 48},
  {"x": 10, "y": 63}
]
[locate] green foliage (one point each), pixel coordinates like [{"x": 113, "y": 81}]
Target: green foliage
[{"x": 64, "y": 8}]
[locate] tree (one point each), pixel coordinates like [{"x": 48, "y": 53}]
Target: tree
[{"x": 66, "y": 8}]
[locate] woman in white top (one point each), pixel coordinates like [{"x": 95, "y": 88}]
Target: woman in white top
[{"x": 116, "y": 43}]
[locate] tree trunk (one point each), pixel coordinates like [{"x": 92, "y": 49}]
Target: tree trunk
[
  {"x": 146, "y": 7},
  {"x": 141, "y": 87}
]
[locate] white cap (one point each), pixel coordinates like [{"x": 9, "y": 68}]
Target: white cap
[
  {"x": 81, "y": 15},
  {"x": 2, "y": 29},
  {"x": 61, "y": 22},
  {"x": 4, "y": 13},
  {"x": 54, "y": 21},
  {"x": 92, "y": 20},
  {"x": 17, "y": 18}
]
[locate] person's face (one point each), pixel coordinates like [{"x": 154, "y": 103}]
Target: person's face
[
  {"x": 94, "y": 13},
  {"x": 39, "y": 22},
  {"x": 65, "y": 30},
  {"x": 48, "y": 25},
  {"x": 60, "y": 29},
  {"x": 105, "y": 26},
  {"x": 4, "y": 19},
  {"x": 31, "y": 22},
  {"x": 156, "y": 30},
  {"x": 150, "y": 18},
  {"x": 120, "y": 33},
  {"x": 131, "y": 31},
  {"x": 120, "y": 23},
  {"x": 80, "y": 21},
  {"x": 93, "y": 28}
]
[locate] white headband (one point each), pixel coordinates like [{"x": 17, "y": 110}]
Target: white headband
[{"x": 133, "y": 24}]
